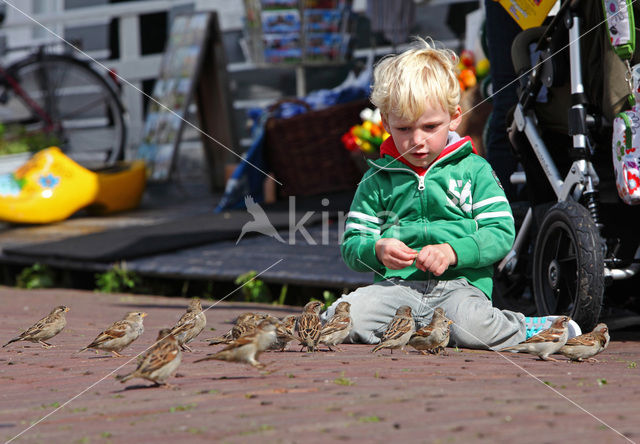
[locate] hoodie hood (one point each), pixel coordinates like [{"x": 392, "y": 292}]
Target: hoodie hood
[{"x": 454, "y": 142}]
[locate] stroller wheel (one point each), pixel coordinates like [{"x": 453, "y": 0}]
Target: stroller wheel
[{"x": 568, "y": 265}]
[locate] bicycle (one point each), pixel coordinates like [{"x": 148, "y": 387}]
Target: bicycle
[{"x": 65, "y": 101}]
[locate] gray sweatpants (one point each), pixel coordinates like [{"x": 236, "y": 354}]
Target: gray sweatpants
[{"x": 476, "y": 323}]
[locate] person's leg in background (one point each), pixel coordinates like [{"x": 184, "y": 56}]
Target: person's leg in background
[{"x": 501, "y": 29}]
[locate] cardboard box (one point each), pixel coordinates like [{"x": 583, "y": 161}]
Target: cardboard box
[{"x": 528, "y": 13}]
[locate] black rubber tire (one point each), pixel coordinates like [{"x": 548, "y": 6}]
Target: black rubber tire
[
  {"x": 83, "y": 104},
  {"x": 568, "y": 267}
]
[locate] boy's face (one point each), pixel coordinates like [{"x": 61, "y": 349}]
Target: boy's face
[{"x": 420, "y": 142}]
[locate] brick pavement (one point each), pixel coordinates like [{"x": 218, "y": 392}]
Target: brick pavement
[{"x": 467, "y": 396}]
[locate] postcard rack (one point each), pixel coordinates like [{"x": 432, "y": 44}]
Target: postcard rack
[{"x": 297, "y": 32}]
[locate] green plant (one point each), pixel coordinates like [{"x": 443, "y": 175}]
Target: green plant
[
  {"x": 36, "y": 276},
  {"x": 182, "y": 408},
  {"x": 53, "y": 404},
  {"x": 16, "y": 139},
  {"x": 369, "y": 419},
  {"x": 207, "y": 293},
  {"x": 283, "y": 295},
  {"x": 253, "y": 290},
  {"x": 342, "y": 380},
  {"x": 117, "y": 279},
  {"x": 329, "y": 298}
]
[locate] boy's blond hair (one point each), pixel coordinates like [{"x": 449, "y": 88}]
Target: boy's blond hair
[{"x": 403, "y": 84}]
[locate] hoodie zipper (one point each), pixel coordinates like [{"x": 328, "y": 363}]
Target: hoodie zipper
[
  {"x": 421, "y": 188},
  {"x": 420, "y": 178}
]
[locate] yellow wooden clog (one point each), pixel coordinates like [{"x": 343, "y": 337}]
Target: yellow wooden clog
[{"x": 50, "y": 187}]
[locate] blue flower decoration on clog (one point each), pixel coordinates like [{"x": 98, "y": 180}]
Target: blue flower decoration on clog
[{"x": 49, "y": 181}]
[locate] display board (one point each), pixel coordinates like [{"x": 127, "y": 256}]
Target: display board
[
  {"x": 180, "y": 71},
  {"x": 297, "y": 31}
]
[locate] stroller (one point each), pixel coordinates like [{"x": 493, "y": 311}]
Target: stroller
[{"x": 577, "y": 236}]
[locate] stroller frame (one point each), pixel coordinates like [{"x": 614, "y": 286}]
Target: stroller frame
[{"x": 570, "y": 231}]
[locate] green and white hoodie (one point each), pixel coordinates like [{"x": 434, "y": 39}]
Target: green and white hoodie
[{"x": 456, "y": 200}]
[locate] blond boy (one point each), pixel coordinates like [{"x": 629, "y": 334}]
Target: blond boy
[{"x": 429, "y": 217}]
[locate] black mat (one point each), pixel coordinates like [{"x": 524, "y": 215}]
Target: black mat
[
  {"x": 138, "y": 241},
  {"x": 307, "y": 261}
]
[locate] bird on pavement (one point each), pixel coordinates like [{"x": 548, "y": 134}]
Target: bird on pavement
[
  {"x": 190, "y": 324},
  {"x": 119, "y": 334},
  {"x": 547, "y": 342},
  {"x": 284, "y": 332},
  {"x": 158, "y": 363},
  {"x": 45, "y": 329},
  {"x": 432, "y": 338},
  {"x": 336, "y": 330},
  {"x": 399, "y": 330},
  {"x": 248, "y": 347},
  {"x": 244, "y": 323},
  {"x": 308, "y": 326},
  {"x": 586, "y": 346}
]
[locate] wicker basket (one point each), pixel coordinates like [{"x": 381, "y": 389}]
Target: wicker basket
[{"x": 306, "y": 154}]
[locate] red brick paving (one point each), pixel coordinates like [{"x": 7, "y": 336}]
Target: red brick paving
[{"x": 468, "y": 396}]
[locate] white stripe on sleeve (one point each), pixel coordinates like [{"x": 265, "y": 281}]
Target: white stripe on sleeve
[
  {"x": 484, "y": 203},
  {"x": 361, "y": 228},
  {"x": 493, "y": 214},
  {"x": 363, "y": 216}
]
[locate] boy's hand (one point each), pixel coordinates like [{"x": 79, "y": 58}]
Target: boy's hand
[
  {"x": 436, "y": 258},
  {"x": 394, "y": 254}
]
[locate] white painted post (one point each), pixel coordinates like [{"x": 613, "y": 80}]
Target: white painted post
[{"x": 129, "y": 43}]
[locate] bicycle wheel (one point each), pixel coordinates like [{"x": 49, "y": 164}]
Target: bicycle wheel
[
  {"x": 86, "y": 115},
  {"x": 568, "y": 265}
]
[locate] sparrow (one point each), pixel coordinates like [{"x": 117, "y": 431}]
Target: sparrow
[
  {"x": 247, "y": 348},
  {"x": 45, "y": 329},
  {"x": 119, "y": 335},
  {"x": 193, "y": 321},
  {"x": 585, "y": 346},
  {"x": 308, "y": 326},
  {"x": 159, "y": 362},
  {"x": 244, "y": 323},
  {"x": 547, "y": 342},
  {"x": 284, "y": 332},
  {"x": 288, "y": 324},
  {"x": 399, "y": 331},
  {"x": 432, "y": 338},
  {"x": 338, "y": 327}
]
